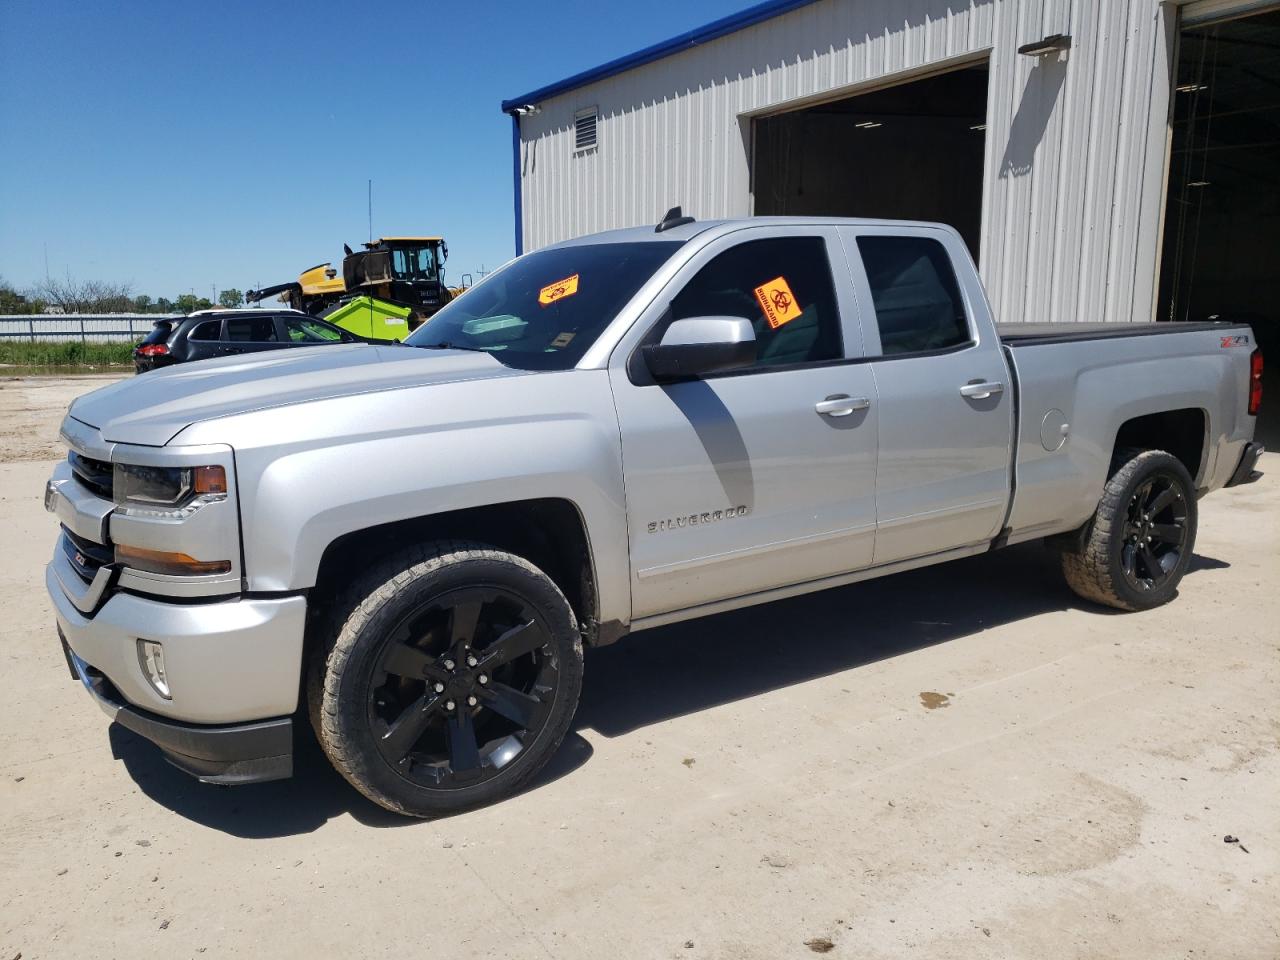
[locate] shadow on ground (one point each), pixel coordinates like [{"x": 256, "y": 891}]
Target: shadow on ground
[
  {"x": 314, "y": 795},
  {"x": 670, "y": 672}
]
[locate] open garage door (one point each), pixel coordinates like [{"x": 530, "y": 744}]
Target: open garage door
[
  {"x": 1222, "y": 214},
  {"x": 911, "y": 151}
]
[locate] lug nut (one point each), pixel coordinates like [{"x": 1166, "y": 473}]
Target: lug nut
[
  {"x": 439, "y": 688},
  {"x": 483, "y": 678},
  {"x": 449, "y": 704},
  {"x": 471, "y": 661},
  {"x": 449, "y": 664},
  {"x": 471, "y": 701}
]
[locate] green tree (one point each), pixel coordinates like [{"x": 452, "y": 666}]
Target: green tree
[
  {"x": 11, "y": 301},
  {"x": 164, "y": 305},
  {"x": 142, "y": 303},
  {"x": 231, "y": 298},
  {"x": 186, "y": 303}
]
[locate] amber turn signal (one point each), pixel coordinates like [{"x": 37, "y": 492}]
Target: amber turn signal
[
  {"x": 173, "y": 564},
  {"x": 210, "y": 480}
]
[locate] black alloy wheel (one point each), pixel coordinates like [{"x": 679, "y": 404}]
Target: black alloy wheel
[
  {"x": 461, "y": 685},
  {"x": 1155, "y": 532},
  {"x": 445, "y": 677},
  {"x": 1133, "y": 552}
]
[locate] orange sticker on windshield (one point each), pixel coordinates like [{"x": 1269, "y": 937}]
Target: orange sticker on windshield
[
  {"x": 558, "y": 290},
  {"x": 778, "y": 302}
]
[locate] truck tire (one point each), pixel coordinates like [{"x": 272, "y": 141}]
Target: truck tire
[
  {"x": 446, "y": 678},
  {"x": 1133, "y": 552}
]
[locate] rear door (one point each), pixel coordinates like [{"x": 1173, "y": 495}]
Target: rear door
[
  {"x": 756, "y": 478},
  {"x": 204, "y": 340},
  {"x": 249, "y": 334},
  {"x": 946, "y": 403}
]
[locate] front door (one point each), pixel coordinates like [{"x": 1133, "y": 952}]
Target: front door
[{"x": 759, "y": 478}]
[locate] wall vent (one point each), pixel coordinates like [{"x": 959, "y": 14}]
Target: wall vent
[{"x": 584, "y": 128}]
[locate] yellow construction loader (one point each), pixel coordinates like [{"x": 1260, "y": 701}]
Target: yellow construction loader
[{"x": 384, "y": 290}]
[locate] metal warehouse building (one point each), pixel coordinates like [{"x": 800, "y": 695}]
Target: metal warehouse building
[{"x": 1103, "y": 159}]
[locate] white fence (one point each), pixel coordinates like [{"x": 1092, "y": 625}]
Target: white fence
[{"x": 86, "y": 327}]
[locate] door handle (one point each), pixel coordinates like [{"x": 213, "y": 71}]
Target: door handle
[
  {"x": 981, "y": 390},
  {"x": 841, "y": 405}
]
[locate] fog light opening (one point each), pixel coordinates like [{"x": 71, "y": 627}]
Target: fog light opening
[{"x": 151, "y": 658}]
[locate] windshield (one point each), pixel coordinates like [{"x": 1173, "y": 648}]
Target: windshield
[
  {"x": 542, "y": 311},
  {"x": 414, "y": 263}
]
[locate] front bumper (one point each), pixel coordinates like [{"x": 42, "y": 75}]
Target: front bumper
[
  {"x": 233, "y": 669},
  {"x": 231, "y": 754},
  {"x": 229, "y": 661}
]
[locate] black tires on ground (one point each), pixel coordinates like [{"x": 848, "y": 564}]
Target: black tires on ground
[
  {"x": 449, "y": 676},
  {"x": 1134, "y": 551}
]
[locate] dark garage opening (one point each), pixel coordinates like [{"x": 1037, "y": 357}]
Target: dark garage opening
[
  {"x": 913, "y": 151},
  {"x": 1221, "y": 245}
]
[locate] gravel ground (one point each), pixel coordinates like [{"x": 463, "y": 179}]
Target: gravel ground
[
  {"x": 959, "y": 762},
  {"x": 31, "y": 408}
]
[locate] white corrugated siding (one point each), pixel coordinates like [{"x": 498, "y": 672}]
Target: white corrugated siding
[
  {"x": 90, "y": 327},
  {"x": 1075, "y": 147}
]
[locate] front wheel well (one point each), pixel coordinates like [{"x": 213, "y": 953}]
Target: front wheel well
[
  {"x": 1179, "y": 432},
  {"x": 549, "y": 533}
]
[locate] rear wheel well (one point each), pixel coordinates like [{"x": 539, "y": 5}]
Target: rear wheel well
[
  {"x": 549, "y": 533},
  {"x": 1180, "y": 432}
]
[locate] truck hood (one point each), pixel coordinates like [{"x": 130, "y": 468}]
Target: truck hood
[{"x": 151, "y": 409}]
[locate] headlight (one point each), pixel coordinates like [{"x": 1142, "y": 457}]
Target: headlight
[{"x": 166, "y": 492}]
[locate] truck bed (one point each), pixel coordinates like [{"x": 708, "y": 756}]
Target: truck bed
[{"x": 1031, "y": 334}]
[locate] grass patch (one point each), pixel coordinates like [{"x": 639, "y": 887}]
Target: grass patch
[{"x": 73, "y": 353}]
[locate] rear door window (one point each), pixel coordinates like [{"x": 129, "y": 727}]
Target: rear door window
[
  {"x": 209, "y": 330},
  {"x": 783, "y": 286},
  {"x": 916, "y": 297},
  {"x": 251, "y": 330}
]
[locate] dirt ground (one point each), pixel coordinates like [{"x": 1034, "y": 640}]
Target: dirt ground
[
  {"x": 31, "y": 408},
  {"x": 963, "y": 762}
]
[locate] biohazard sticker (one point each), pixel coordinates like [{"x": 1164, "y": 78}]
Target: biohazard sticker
[
  {"x": 778, "y": 302},
  {"x": 558, "y": 290}
]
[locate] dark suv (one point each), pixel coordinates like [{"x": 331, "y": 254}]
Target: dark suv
[{"x": 222, "y": 333}]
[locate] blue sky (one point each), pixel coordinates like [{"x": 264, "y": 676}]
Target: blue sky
[{"x": 183, "y": 145}]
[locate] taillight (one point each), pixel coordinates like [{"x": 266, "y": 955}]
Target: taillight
[
  {"x": 153, "y": 350},
  {"x": 1255, "y": 382}
]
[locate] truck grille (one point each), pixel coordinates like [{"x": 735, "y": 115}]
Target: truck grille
[
  {"x": 86, "y": 556},
  {"x": 94, "y": 474}
]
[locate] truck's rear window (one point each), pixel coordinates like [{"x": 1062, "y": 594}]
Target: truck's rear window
[{"x": 542, "y": 311}]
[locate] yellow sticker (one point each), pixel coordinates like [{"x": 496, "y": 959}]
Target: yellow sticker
[
  {"x": 778, "y": 302},
  {"x": 558, "y": 290}
]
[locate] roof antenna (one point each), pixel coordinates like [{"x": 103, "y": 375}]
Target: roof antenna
[{"x": 672, "y": 218}]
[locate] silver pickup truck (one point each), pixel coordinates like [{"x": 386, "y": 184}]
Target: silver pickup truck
[{"x": 626, "y": 430}]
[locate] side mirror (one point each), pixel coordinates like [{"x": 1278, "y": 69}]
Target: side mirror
[{"x": 700, "y": 346}]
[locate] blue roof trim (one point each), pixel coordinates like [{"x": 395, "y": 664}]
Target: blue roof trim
[{"x": 686, "y": 41}]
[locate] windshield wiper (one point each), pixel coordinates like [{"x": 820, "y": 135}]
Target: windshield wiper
[{"x": 447, "y": 345}]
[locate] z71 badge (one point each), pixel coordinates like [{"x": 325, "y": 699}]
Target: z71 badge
[{"x": 1238, "y": 340}]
